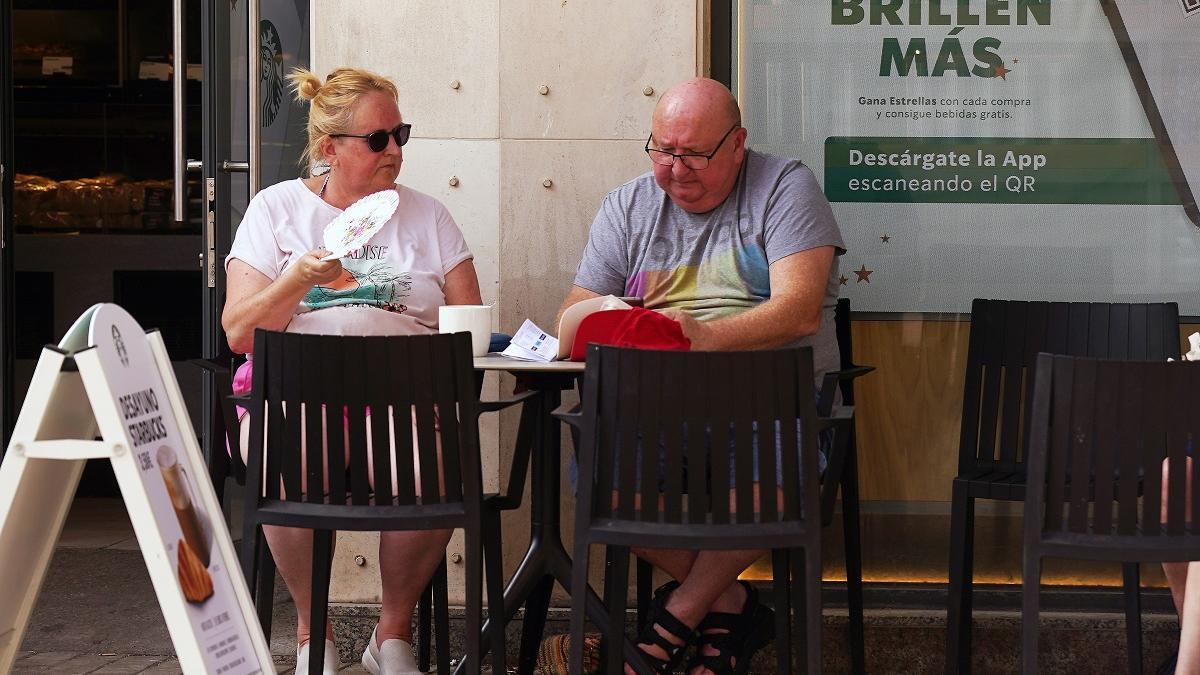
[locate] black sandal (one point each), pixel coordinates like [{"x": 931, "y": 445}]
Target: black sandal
[
  {"x": 746, "y": 633},
  {"x": 659, "y": 616}
]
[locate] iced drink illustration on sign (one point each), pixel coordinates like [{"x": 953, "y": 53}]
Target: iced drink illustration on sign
[
  {"x": 194, "y": 550},
  {"x": 356, "y": 225}
]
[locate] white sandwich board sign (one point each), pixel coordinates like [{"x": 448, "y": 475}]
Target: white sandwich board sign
[{"x": 110, "y": 379}]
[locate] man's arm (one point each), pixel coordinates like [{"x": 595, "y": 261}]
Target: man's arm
[
  {"x": 793, "y": 311},
  {"x": 576, "y": 294}
]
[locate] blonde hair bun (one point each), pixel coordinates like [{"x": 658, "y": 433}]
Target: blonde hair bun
[{"x": 305, "y": 84}]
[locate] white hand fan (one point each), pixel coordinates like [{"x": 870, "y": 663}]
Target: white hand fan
[{"x": 357, "y": 224}]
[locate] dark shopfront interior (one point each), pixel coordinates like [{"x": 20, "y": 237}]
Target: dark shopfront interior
[{"x": 92, "y": 181}]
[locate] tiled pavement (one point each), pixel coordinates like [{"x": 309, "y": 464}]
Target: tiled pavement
[
  {"x": 75, "y": 629},
  {"x": 72, "y": 663}
]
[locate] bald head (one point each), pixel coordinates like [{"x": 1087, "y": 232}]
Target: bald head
[
  {"x": 698, "y": 117},
  {"x": 699, "y": 100}
]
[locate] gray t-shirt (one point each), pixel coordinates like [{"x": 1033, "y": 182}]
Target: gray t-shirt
[{"x": 714, "y": 264}]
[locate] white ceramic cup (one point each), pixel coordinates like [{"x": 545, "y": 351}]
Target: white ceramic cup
[{"x": 474, "y": 319}]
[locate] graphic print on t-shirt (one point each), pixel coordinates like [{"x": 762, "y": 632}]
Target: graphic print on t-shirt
[{"x": 367, "y": 280}]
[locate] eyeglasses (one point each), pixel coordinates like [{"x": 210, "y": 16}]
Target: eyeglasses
[
  {"x": 377, "y": 141},
  {"x": 693, "y": 161}
]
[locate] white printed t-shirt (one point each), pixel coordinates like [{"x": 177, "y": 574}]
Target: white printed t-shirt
[{"x": 390, "y": 286}]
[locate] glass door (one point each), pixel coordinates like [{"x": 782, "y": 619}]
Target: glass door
[
  {"x": 249, "y": 46},
  {"x": 7, "y": 323}
]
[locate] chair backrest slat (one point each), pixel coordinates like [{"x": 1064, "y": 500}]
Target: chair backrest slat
[
  {"x": 722, "y": 415},
  {"x": 1129, "y": 456},
  {"x": 742, "y": 382},
  {"x": 670, "y": 404},
  {"x": 312, "y": 411},
  {"x": 609, "y": 405},
  {"x": 1153, "y": 427},
  {"x": 1060, "y": 448},
  {"x": 400, "y": 377},
  {"x": 993, "y": 373},
  {"x": 335, "y": 423},
  {"x": 649, "y": 433},
  {"x": 720, "y": 406},
  {"x": 1176, "y": 438},
  {"x": 1105, "y": 441},
  {"x": 628, "y": 444},
  {"x": 694, "y": 415},
  {"x": 767, "y": 417},
  {"x": 426, "y": 417},
  {"x": 446, "y": 398},
  {"x": 1082, "y": 436},
  {"x": 354, "y": 409},
  {"x": 1004, "y": 339},
  {"x": 1015, "y": 328},
  {"x": 789, "y": 402},
  {"x": 378, "y": 414}
]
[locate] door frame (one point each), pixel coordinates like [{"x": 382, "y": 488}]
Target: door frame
[
  {"x": 7, "y": 274},
  {"x": 217, "y": 235}
]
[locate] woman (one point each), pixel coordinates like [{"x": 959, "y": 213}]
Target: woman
[{"x": 394, "y": 285}]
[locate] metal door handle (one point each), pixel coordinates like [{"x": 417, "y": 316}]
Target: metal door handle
[
  {"x": 254, "y": 59},
  {"x": 178, "y": 110}
]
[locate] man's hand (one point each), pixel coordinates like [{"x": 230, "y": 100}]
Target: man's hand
[
  {"x": 311, "y": 271},
  {"x": 698, "y": 332}
]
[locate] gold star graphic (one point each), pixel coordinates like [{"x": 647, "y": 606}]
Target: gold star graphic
[
  {"x": 1002, "y": 72},
  {"x": 864, "y": 274},
  {"x": 886, "y": 238},
  {"x": 842, "y": 280}
]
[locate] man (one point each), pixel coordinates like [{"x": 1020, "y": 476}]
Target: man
[{"x": 740, "y": 248}]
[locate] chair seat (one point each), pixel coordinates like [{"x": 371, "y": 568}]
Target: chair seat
[
  {"x": 1138, "y": 547},
  {"x": 363, "y": 518},
  {"x": 995, "y": 484},
  {"x": 700, "y": 536}
]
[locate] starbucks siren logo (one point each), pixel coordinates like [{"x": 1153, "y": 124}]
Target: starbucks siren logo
[{"x": 119, "y": 344}]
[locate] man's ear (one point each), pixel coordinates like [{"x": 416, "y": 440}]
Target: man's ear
[{"x": 739, "y": 142}]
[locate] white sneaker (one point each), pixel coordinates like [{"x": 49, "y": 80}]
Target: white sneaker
[
  {"x": 330, "y": 667},
  {"x": 395, "y": 657}
]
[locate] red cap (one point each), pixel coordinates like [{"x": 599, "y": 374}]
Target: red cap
[{"x": 636, "y": 327}]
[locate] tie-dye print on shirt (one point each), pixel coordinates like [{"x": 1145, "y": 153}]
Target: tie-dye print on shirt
[{"x": 714, "y": 264}]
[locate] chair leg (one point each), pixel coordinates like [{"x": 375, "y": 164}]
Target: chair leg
[
  {"x": 579, "y": 577},
  {"x": 322, "y": 562},
  {"x": 958, "y": 614},
  {"x": 264, "y": 595},
  {"x": 424, "y": 634},
  {"x": 812, "y": 608},
  {"x": 1133, "y": 616},
  {"x": 534, "y": 624},
  {"x": 1030, "y": 591},
  {"x": 781, "y": 571},
  {"x": 616, "y": 599},
  {"x": 493, "y": 560},
  {"x": 441, "y": 619},
  {"x": 851, "y": 534},
  {"x": 474, "y": 600},
  {"x": 645, "y": 591}
]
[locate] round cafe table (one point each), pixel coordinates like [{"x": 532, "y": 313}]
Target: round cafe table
[{"x": 546, "y": 560}]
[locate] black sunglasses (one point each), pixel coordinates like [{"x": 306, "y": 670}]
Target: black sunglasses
[{"x": 377, "y": 141}]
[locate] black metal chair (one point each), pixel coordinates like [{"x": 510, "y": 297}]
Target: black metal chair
[
  {"x": 1005, "y": 338},
  {"x": 1115, "y": 422},
  {"x": 698, "y": 406},
  {"x": 840, "y": 473},
  {"x": 432, "y": 376},
  {"x": 224, "y": 462}
]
